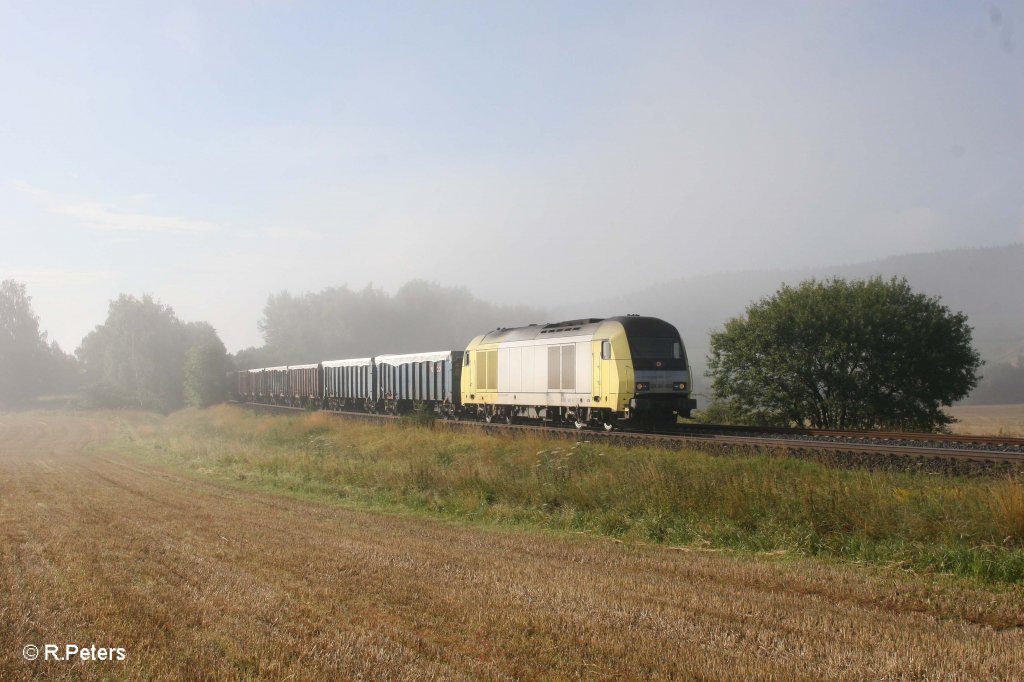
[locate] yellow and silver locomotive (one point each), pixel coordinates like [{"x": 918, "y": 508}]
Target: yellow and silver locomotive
[{"x": 596, "y": 372}]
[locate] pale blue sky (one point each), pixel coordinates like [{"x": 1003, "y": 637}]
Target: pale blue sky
[{"x": 212, "y": 152}]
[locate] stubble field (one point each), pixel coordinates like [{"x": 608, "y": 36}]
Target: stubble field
[
  {"x": 201, "y": 579},
  {"x": 989, "y": 420}
]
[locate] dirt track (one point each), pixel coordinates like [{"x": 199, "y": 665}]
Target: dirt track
[{"x": 198, "y": 580}]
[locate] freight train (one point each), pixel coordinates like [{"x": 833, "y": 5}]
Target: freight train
[{"x": 592, "y": 372}]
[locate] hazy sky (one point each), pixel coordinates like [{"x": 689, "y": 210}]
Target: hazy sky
[{"x": 212, "y": 152}]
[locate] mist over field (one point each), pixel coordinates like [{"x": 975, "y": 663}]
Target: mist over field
[
  {"x": 342, "y": 322},
  {"x": 313, "y": 181},
  {"x": 984, "y": 283},
  {"x": 537, "y": 154}
]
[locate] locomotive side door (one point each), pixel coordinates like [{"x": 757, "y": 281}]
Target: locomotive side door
[{"x": 602, "y": 358}]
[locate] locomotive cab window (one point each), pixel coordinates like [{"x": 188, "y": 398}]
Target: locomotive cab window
[
  {"x": 653, "y": 348},
  {"x": 606, "y": 350}
]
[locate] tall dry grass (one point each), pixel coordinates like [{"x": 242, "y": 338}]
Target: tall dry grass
[{"x": 764, "y": 504}]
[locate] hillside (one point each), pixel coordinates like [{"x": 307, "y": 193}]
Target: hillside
[{"x": 985, "y": 283}]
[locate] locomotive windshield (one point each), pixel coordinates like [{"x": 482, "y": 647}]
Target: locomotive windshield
[{"x": 656, "y": 349}]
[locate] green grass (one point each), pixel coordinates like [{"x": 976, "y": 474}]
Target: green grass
[{"x": 967, "y": 527}]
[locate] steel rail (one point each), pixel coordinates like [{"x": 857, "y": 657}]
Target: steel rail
[{"x": 876, "y": 435}]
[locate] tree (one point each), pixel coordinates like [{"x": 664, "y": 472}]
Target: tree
[
  {"x": 844, "y": 355},
  {"x": 137, "y": 357},
  {"x": 28, "y": 365},
  {"x": 206, "y": 367},
  {"x": 60, "y": 371}
]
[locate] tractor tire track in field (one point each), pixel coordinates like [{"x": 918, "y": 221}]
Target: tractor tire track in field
[{"x": 198, "y": 580}]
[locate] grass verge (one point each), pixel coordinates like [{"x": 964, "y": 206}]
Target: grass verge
[{"x": 924, "y": 523}]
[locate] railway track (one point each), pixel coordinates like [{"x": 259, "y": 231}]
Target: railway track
[
  {"x": 929, "y": 452},
  {"x": 950, "y": 439}
]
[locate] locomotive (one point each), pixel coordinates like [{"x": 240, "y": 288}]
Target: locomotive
[{"x": 586, "y": 373}]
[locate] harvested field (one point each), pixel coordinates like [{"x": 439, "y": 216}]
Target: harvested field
[
  {"x": 197, "y": 579},
  {"x": 988, "y": 420}
]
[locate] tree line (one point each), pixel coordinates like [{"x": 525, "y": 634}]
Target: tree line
[
  {"x": 1002, "y": 383},
  {"x": 860, "y": 354},
  {"x": 29, "y": 365},
  {"x": 339, "y": 322},
  {"x": 142, "y": 356}
]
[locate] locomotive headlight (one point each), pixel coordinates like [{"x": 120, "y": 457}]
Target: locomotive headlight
[
  {"x": 681, "y": 386},
  {"x": 643, "y": 385}
]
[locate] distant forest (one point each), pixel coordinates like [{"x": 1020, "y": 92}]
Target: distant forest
[
  {"x": 117, "y": 364},
  {"x": 339, "y": 322},
  {"x": 1002, "y": 383}
]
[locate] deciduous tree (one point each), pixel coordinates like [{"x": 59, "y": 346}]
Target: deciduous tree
[
  {"x": 137, "y": 356},
  {"x": 206, "y": 366},
  {"x": 29, "y": 366},
  {"x": 846, "y": 355},
  {"x": 22, "y": 346}
]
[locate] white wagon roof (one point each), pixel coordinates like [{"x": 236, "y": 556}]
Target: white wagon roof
[
  {"x": 433, "y": 356},
  {"x": 353, "y": 362}
]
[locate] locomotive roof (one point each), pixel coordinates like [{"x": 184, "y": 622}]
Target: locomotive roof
[{"x": 634, "y": 324}]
